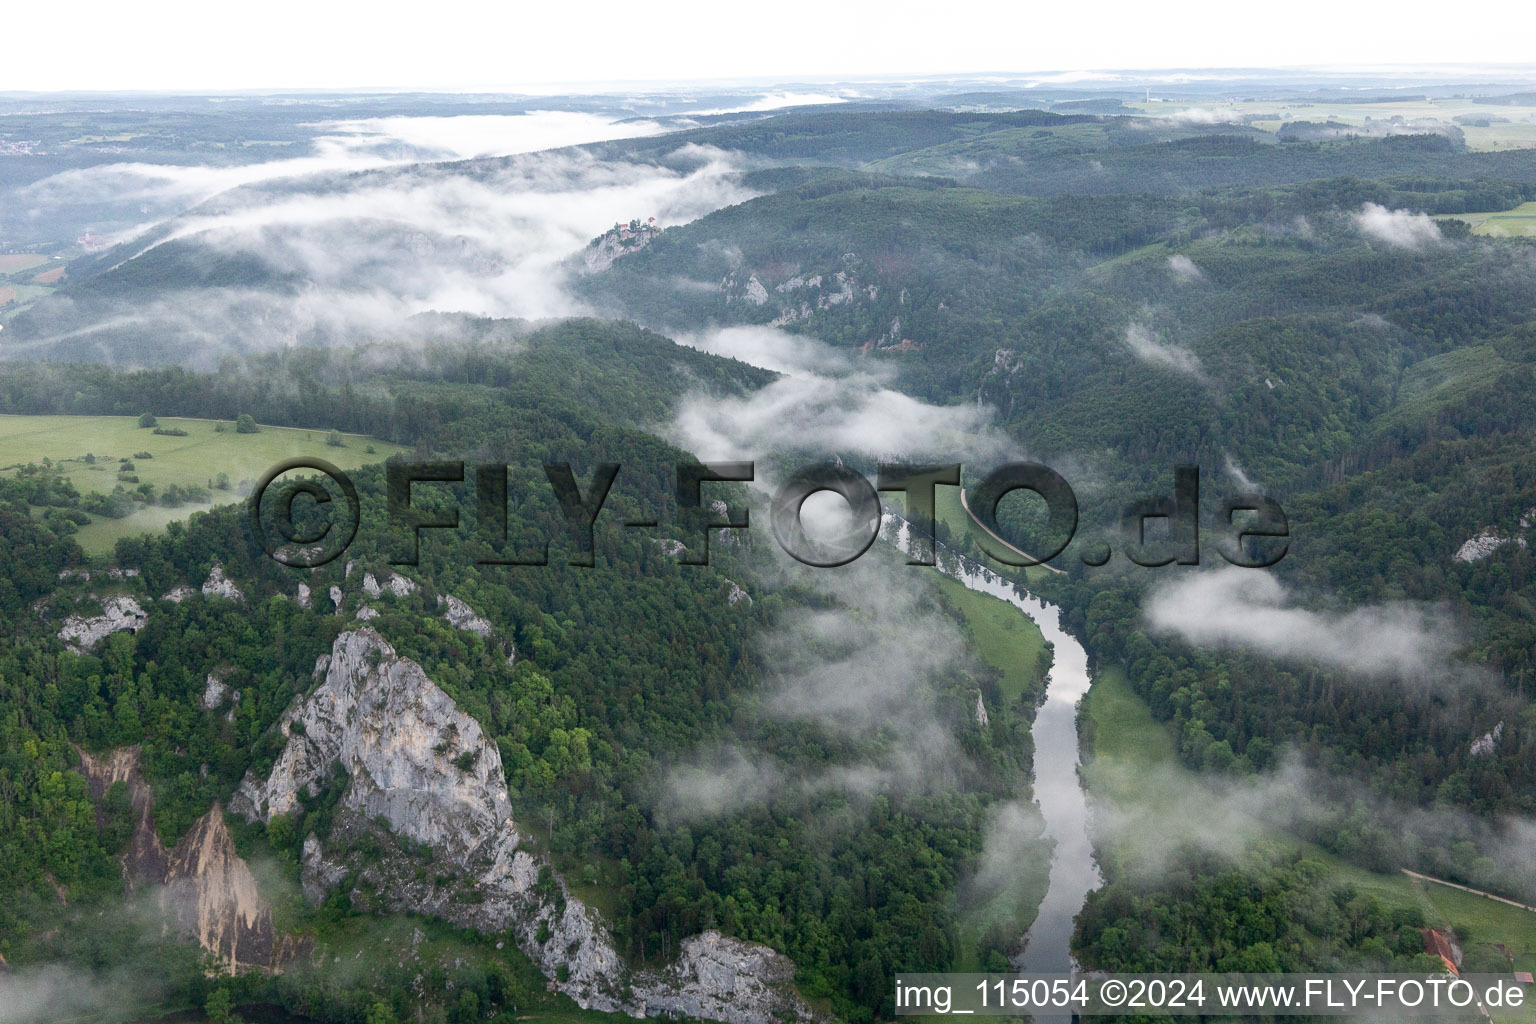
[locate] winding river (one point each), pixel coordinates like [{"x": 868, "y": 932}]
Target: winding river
[{"x": 1057, "y": 786}]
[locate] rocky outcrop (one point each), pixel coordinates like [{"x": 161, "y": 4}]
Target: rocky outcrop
[
  {"x": 213, "y": 692},
  {"x": 671, "y": 546},
  {"x": 1489, "y": 540},
  {"x": 86, "y": 575},
  {"x": 1480, "y": 546},
  {"x": 1488, "y": 742},
  {"x": 219, "y": 585},
  {"x": 619, "y": 241},
  {"x": 417, "y": 769},
  {"x": 716, "y": 976},
  {"x": 82, "y": 633},
  {"x": 144, "y": 861},
  {"x": 213, "y": 895},
  {"x": 392, "y": 583},
  {"x": 462, "y": 616},
  {"x": 203, "y": 887}
]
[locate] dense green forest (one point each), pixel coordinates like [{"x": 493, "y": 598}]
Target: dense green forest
[
  {"x": 1252, "y": 320},
  {"x": 622, "y": 671},
  {"x": 1116, "y": 296}
]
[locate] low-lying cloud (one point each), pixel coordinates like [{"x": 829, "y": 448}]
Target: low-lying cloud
[
  {"x": 865, "y": 672},
  {"x": 1402, "y": 229},
  {"x": 148, "y": 191},
  {"x": 348, "y": 257},
  {"x": 1250, "y": 609},
  {"x": 1145, "y": 346},
  {"x": 824, "y": 403},
  {"x": 1184, "y": 269}
]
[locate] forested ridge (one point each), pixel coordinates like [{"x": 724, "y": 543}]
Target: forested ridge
[
  {"x": 1118, "y": 298},
  {"x": 622, "y": 672},
  {"x": 1256, "y": 325}
]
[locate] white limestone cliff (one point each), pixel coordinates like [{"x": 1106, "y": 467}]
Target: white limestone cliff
[
  {"x": 418, "y": 768},
  {"x": 82, "y": 632}
]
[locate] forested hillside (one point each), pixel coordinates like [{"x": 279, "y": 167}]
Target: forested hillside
[
  {"x": 1114, "y": 296},
  {"x": 598, "y": 685}
]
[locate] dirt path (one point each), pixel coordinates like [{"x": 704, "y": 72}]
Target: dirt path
[{"x": 1467, "y": 888}]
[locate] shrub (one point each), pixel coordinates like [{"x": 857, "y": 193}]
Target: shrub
[
  {"x": 245, "y": 425},
  {"x": 147, "y": 419}
]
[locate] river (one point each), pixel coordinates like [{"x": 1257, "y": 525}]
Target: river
[{"x": 1057, "y": 787}]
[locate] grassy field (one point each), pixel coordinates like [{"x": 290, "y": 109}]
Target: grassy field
[
  {"x": 1135, "y": 765},
  {"x": 16, "y": 262},
  {"x": 1517, "y": 223},
  {"x": 18, "y": 296},
  {"x": 196, "y": 459},
  {"x": 1001, "y": 636},
  {"x": 1515, "y": 130}
]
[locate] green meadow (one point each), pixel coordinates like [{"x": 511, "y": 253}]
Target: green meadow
[
  {"x": 1134, "y": 764},
  {"x": 1003, "y": 637},
  {"x": 89, "y": 450},
  {"x": 1517, "y": 223}
]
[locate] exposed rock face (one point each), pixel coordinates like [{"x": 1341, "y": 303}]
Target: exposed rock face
[
  {"x": 396, "y": 585},
  {"x": 119, "y": 613},
  {"x": 462, "y": 616},
  {"x": 735, "y": 595},
  {"x": 396, "y": 735},
  {"x": 304, "y": 599},
  {"x": 1479, "y": 547},
  {"x": 213, "y": 692},
  {"x": 1488, "y": 742},
  {"x": 613, "y": 245},
  {"x": 414, "y": 762},
  {"x": 214, "y": 896},
  {"x": 144, "y": 862},
  {"x": 1489, "y": 540},
  {"x": 755, "y": 292},
  {"x": 219, "y": 585},
  {"x": 716, "y": 976},
  {"x": 112, "y": 573},
  {"x": 176, "y": 595},
  {"x": 205, "y": 889}
]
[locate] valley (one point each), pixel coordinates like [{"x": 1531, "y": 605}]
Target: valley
[{"x": 621, "y": 781}]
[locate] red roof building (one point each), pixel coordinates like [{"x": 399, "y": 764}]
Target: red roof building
[{"x": 1436, "y": 943}]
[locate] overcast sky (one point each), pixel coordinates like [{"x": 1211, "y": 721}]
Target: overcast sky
[{"x": 510, "y": 44}]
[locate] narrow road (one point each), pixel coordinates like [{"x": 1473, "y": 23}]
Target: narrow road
[
  {"x": 1010, "y": 547},
  {"x": 1467, "y": 888}
]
